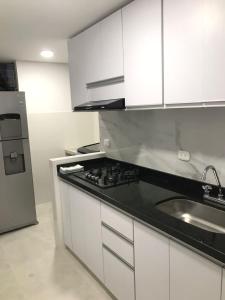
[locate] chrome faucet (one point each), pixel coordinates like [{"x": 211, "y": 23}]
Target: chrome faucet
[{"x": 207, "y": 188}]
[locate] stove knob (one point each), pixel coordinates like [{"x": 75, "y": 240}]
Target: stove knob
[
  {"x": 121, "y": 176},
  {"x": 116, "y": 178},
  {"x": 105, "y": 180},
  {"x": 100, "y": 181},
  {"x": 113, "y": 179},
  {"x": 110, "y": 178}
]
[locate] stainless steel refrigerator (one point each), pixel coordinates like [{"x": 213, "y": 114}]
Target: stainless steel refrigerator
[{"x": 17, "y": 204}]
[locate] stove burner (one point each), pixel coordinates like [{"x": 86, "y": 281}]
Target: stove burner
[{"x": 109, "y": 175}]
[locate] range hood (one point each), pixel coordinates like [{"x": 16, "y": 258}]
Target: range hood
[{"x": 113, "y": 104}]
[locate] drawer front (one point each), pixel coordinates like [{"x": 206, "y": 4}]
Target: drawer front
[
  {"x": 119, "y": 278},
  {"x": 117, "y": 244},
  {"x": 118, "y": 221}
]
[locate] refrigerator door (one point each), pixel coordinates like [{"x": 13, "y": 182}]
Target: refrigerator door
[
  {"x": 17, "y": 204},
  {"x": 13, "y": 117}
]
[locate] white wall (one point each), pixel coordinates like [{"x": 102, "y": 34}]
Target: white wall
[
  {"x": 50, "y": 134},
  {"x": 52, "y": 125},
  {"x": 46, "y": 85},
  {"x": 153, "y": 139}
]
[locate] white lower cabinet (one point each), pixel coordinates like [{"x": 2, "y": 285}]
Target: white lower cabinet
[
  {"x": 193, "y": 277},
  {"x": 86, "y": 230},
  {"x": 119, "y": 277},
  {"x": 132, "y": 260},
  {"x": 118, "y": 221},
  {"x": 118, "y": 245},
  {"x": 223, "y": 285},
  {"x": 66, "y": 218},
  {"x": 77, "y": 223},
  {"x": 151, "y": 264}
]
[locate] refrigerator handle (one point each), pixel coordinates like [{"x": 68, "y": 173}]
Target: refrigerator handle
[{"x": 11, "y": 116}]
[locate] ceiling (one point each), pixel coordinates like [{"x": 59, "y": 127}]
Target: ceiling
[{"x": 29, "y": 26}]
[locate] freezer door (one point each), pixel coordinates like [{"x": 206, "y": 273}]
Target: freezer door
[
  {"x": 17, "y": 204},
  {"x": 10, "y": 126},
  {"x": 13, "y": 116}
]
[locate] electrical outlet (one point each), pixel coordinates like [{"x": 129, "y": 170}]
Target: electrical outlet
[
  {"x": 184, "y": 155},
  {"x": 106, "y": 143}
]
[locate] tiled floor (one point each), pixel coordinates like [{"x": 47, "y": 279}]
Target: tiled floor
[{"x": 32, "y": 269}]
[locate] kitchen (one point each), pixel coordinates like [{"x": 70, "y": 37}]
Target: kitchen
[{"x": 141, "y": 215}]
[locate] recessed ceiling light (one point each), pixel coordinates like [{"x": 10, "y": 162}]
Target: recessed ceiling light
[{"x": 47, "y": 53}]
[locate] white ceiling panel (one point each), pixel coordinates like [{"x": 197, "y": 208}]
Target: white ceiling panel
[{"x": 28, "y": 26}]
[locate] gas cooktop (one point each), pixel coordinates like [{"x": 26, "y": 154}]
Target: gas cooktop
[{"x": 109, "y": 175}]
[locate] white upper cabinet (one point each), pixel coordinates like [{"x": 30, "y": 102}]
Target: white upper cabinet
[
  {"x": 142, "y": 36},
  {"x": 92, "y": 50},
  {"x": 112, "y": 46},
  {"x": 95, "y": 55},
  {"x": 194, "y": 47},
  {"x": 104, "y": 44},
  {"x": 78, "y": 69},
  {"x": 193, "y": 277}
]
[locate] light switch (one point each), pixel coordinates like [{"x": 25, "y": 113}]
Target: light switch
[
  {"x": 106, "y": 143},
  {"x": 184, "y": 155}
]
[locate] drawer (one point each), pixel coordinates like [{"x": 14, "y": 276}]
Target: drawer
[
  {"x": 117, "y": 244},
  {"x": 118, "y": 277},
  {"x": 118, "y": 221}
]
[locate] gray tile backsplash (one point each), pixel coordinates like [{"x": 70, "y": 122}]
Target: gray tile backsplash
[{"x": 152, "y": 139}]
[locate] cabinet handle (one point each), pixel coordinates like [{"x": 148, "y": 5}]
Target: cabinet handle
[
  {"x": 100, "y": 83},
  {"x": 117, "y": 233},
  {"x": 118, "y": 257}
]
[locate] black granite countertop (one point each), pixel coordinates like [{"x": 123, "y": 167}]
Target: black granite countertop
[{"x": 139, "y": 199}]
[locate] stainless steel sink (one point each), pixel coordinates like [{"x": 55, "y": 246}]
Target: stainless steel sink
[{"x": 197, "y": 214}]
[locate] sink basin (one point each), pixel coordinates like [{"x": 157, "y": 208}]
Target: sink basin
[{"x": 197, "y": 214}]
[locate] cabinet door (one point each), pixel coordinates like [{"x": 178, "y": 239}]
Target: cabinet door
[
  {"x": 112, "y": 46},
  {"x": 119, "y": 278},
  {"x": 118, "y": 221},
  {"x": 142, "y": 35},
  {"x": 223, "y": 286},
  {"x": 192, "y": 276},
  {"x": 77, "y": 68},
  {"x": 194, "y": 46},
  {"x": 92, "y": 233},
  {"x": 65, "y": 202},
  {"x": 94, "y": 55},
  {"x": 86, "y": 230},
  {"x": 92, "y": 48},
  {"x": 78, "y": 223},
  {"x": 151, "y": 264}
]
